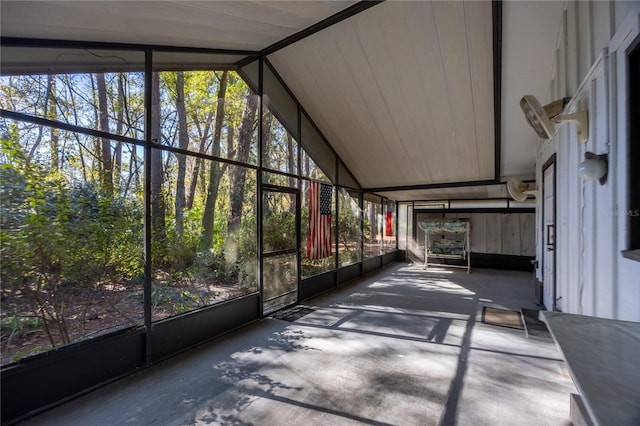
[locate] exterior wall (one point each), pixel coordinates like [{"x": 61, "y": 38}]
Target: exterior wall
[
  {"x": 492, "y": 233},
  {"x": 593, "y": 278}
]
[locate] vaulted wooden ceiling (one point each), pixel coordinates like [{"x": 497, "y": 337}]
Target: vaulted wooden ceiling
[
  {"x": 239, "y": 25},
  {"x": 403, "y": 90}
]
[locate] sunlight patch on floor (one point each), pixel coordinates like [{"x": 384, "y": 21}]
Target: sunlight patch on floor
[{"x": 440, "y": 285}]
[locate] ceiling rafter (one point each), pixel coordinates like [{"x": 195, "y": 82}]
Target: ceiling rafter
[{"x": 325, "y": 23}]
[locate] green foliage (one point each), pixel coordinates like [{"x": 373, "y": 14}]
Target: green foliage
[
  {"x": 71, "y": 254},
  {"x": 56, "y": 235},
  {"x": 233, "y": 257},
  {"x": 14, "y": 324},
  {"x": 280, "y": 231},
  {"x": 31, "y": 351},
  {"x": 349, "y": 226},
  {"x": 69, "y": 249}
]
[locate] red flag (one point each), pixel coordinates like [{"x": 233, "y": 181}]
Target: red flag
[
  {"x": 389, "y": 224},
  {"x": 319, "y": 238}
]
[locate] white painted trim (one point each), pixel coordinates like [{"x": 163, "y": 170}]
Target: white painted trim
[
  {"x": 625, "y": 270},
  {"x": 572, "y": 54},
  {"x": 627, "y": 31},
  {"x": 593, "y": 71}
]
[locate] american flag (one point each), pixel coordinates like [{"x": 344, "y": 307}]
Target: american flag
[
  {"x": 319, "y": 241},
  {"x": 388, "y": 232}
]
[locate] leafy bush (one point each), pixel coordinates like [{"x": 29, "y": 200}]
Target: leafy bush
[{"x": 60, "y": 238}]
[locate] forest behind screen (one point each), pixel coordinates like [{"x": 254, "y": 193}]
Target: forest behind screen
[{"x": 73, "y": 203}]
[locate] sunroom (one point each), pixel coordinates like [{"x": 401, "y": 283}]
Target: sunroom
[{"x": 173, "y": 171}]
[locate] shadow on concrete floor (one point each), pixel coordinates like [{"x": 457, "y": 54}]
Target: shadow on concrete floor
[{"x": 401, "y": 347}]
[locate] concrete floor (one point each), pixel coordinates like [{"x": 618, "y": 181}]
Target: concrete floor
[{"x": 402, "y": 347}]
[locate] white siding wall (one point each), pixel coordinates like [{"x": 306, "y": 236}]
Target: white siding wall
[
  {"x": 593, "y": 278},
  {"x": 493, "y": 233}
]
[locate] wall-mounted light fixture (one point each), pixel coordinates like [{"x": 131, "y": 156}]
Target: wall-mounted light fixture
[
  {"x": 594, "y": 167},
  {"x": 543, "y": 119}
]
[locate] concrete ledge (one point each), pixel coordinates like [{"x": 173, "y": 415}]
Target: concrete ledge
[
  {"x": 578, "y": 411},
  {"x": 602, "y": 357}
]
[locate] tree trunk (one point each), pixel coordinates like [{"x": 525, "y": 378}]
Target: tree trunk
[
  {"x": 117, "y": 156},
  {"x": 291, "y": 168},
  {"x": 81, "y": 147},
  {"x": 45, "y": 111},
  {"x": 196, "y": 168},
  {"x": 51, "y": 115},
  {"x": 267, "y": 123},
  {"x": 183, "y": 143},
  {"x": 133, "y": 176},
  {"x": 238, "y": 174},
  {"x": 157, "y": 196},
  {"x": 107, "y": 166},
  {"x": 373, "y": 222},
  {"x": 230, "y": 134},
  {"x": 215, "y": 173}
]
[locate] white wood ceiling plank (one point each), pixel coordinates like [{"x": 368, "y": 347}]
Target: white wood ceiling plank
[
  {"x": 332, "y": 103},
  {"x": 366, "y": 102},
  {"x": 429, "y": 121},
  {"x": 381, "y": 86},
  {"x": 426, "y": 84},
  {"x": 316, "y": 65},
  {"x": 478, "y": 16},
  {"x": 378, "y": 63},
  {"x": 452, "y": 35},
  {"x": 389, "y": 53},
  {"x": 362, "y": 104},
  {"x": 245, "y": 24},
  {"x": 438, "y": 194}
]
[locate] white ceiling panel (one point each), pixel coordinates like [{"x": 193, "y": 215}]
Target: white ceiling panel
[
  {"x": 242, "y": 25},
  {"x": 404, "y": 91},
  {"x": 477, "y": 192}
]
